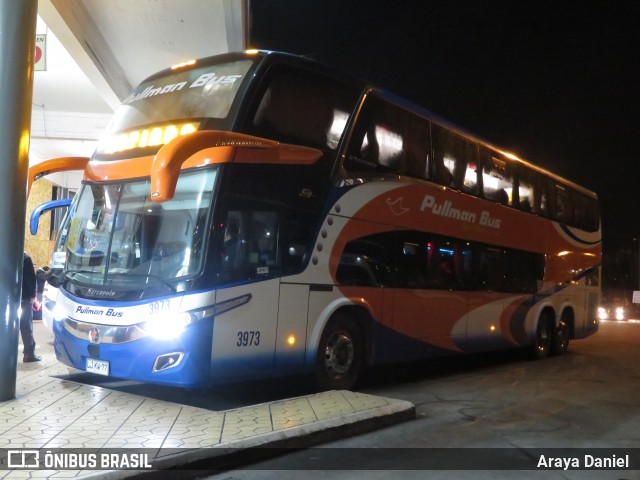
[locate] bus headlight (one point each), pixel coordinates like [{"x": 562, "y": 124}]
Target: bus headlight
[
  {"x": 166, "y": 326},
  {"x": 58, "y": 312}
]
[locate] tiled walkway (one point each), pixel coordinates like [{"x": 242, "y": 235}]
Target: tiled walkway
[{"x": 50, "y": 413}]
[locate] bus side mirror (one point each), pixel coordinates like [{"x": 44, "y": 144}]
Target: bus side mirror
[
  {"x": 40, "y": 209},
  {"x": 54, "y": 280}
]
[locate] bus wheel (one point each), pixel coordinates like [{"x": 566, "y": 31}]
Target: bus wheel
[
  {"x": 544, "y": 337},
  {"x": 340, "y": 354},
  {"x": 560, "y": 342}
]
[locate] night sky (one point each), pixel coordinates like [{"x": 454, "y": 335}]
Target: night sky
[{"x": 557, "y": 83}]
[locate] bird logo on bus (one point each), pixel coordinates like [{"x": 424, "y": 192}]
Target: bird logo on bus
[{"x": 396, "y": 206}]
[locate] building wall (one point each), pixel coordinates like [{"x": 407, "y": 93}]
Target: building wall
[{"x": 39, "y": 247}]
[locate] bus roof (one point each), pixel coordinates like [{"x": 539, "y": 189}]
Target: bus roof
[{"x": 268, "y": 57}]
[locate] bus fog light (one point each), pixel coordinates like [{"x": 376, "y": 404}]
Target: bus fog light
[{"x": 168, "y": 360}]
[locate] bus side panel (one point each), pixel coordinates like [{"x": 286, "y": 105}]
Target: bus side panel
[
  {"x": 244, "y": 337},
  {"x": 585, "y": 305},
  {"x": 292, "y": 328},
  {"x": 325, "y": 300},
  {"x": 489, "y": 325},
  {"x": 438, "y": 317}
]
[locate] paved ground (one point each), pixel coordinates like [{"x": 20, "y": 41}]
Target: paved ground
[
  {"x": 486, "y": 407},
  {"x": 50, "y": 413}
]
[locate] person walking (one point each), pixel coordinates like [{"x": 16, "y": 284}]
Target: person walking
[{"x": 26, "y": 316}]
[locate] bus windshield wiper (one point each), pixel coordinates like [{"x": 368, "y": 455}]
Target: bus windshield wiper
[{"x": 67, "y": 274}]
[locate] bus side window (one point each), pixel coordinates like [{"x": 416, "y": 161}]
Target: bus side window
[
  {"x": 526, "y": 197},
  {"x": 547, "y": 198},
  {"x": 390, "y": 139},
  {"x": 442, "y": 165},
  {"x": 367, "y": 261},
  {"x": 497, "y": 178},
  {"x": 304, "y": 108},
  {"x": 455, "y": 161},
  {"x": 233, "y": 246},
  {"x": 413, "y": 260},
  {"x": 563, "y": 207},
  {"x": 585, "y": 212}
]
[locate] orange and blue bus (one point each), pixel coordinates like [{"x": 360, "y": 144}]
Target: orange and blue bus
[{"x": 256, "y": 214}]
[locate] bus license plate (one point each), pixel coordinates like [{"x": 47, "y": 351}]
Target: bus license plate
[{"x": 101, "y": 367}]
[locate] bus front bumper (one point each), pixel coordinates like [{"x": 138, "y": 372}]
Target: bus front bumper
[{"x": 181, "y": 361}]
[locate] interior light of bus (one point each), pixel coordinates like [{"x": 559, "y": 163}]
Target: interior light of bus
[
  {"x": 178, "y": 66},
  {"x": 492, "y": 328},
  {"x": 291, "y": 340},
  {"x": 251, "y": 51},
  {"x": 470, "y": 177},
  {"x": 148, "y": 137}
]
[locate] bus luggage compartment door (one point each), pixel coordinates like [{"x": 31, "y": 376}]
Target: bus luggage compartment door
[
  {"x": 292, "y": 328},
  {"x": 244, "y": 337}
]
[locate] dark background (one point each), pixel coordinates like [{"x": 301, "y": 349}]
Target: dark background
[{"x": 557, "y": 83}]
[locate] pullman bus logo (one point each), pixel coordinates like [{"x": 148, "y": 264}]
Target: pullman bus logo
[{"x": 94, "y": 335}]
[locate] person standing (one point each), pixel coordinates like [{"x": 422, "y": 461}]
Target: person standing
[
  {"x": 41, "y": 278},
  {"x": 26, "y": 316}
]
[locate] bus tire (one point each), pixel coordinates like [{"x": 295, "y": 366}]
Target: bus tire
[
  {"x": 544, "y": 337},
  {"x": 340, "y": 354},
  {"x": 561, "y": 336}
]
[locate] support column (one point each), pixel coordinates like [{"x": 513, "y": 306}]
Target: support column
[{"x": 17, "y": 50}]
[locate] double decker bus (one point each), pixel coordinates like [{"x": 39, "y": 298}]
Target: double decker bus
[{"x": 256, "y": 214}]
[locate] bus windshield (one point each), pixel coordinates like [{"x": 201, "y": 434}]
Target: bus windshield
[
  {"x": 116, "y": 236},
  {"x": 187, "y": 95}
]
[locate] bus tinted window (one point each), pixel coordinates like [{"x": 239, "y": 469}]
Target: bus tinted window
[
  {"x": 265, "y": 226},
  {"x": 420, "y": 260},
  {"x": 497, "y": 178},
  {"x": 389, "y": 138},
  {"x": 455, "y": 160},
  {"x": 300, "y": 107},
  {"x": 526, "y": 189},
  {"x": 367, "y": 262}
]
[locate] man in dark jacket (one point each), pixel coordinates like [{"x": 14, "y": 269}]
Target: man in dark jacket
[
  {"x": 41, "y": 278},
  {"x": 26, "y": 315}
]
